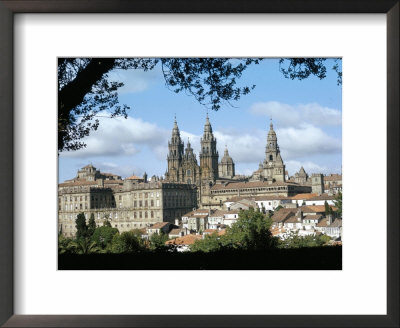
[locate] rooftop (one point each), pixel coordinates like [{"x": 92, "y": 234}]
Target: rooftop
[{"x": 185, "y": 240}]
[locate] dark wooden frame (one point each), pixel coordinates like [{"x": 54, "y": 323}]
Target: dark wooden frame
[{"x": 9, "y": 7}]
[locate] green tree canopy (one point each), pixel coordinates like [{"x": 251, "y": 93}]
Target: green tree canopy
[
  {"x": 128, "y": 242},
  {"x": 296, "y": 241},
  {"x": 249, "y": 232},
  {"x": 338, "y": 203},
  {"x": 157, "y": 241},
  {"x": 91, "y": 225},
  {"x": 81, "y": 227},
  {"x": 103, "y": 236}
]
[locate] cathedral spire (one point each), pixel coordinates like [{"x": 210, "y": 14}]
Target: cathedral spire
[
  {"x": 226, "y": 153},
  {"x": 271, "y": 127},
  {"x": 207, "y": 125}
]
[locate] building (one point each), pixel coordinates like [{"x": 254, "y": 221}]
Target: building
[
  {"x": 272, "y": 169},
  {"x": 217, "y": 182},
  {"x": 333, "y": 184},
  {"x": 127, "y": 204}
]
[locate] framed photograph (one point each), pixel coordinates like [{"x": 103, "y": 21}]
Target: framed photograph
[{"x": 212, "y": 120}]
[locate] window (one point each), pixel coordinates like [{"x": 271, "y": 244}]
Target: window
[
  {"x": 146, "y": 195},
  {"x": 158, "y": 203},
  {"x": 119, "y": 197},
  {"x": 188, "y": 172},
  {"x": 158, "y": 194},
  {"x": 270, "y": 157},
  {"x": 140, "y": 203},
  {"x": 140, "y": 214},
  {"x": 134, "y": 215},
  {"x": 145, "y": 214},
  {"x": 146, "y": 203},
  {"x": 152, "y": 203},
  {"x": 135, "y": 203}
]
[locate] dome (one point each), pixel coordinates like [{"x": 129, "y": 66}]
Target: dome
[{"x": 226, "y": 159}]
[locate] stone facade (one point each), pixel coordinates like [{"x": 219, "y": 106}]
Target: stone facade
[
  {"x": 127, "y": 204},
  {"x": 226, "y": 169}
]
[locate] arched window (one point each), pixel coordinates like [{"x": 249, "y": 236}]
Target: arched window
[{"x": 271, "y": 157}]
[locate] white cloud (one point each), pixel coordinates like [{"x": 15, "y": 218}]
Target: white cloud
[
  {"x": 127, "y": 137},
  {"x": 119, "y": 136},
  {"x": 306, "y": 140},
  {"x": 288, "y": 115}
]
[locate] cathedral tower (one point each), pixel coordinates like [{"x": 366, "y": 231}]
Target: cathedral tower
[
  {"x": 175, "y": 154},
  {"x": 190, "y": 168},
  {"x": 226, "y": 168},
  {"x": 273, "y": 166},
  {"x": 208, "y": 154}
]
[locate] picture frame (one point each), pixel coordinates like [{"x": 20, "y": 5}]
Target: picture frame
[{"x": 7, "y": 10}]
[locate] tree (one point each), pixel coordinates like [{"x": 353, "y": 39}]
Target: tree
[
  {"x": 85, "y": 246},
  {"x": 107, "y": 223},
  {"x": 302, "y": 68},
  {"x": 157, "y": 241},
  {"x": 278, "y": 208},
  {"x": 91, "y": 225},
  {"x": 85, "y": 90},
  {"x": 128, "y": 242},
  {"x": 103, "y": 236},
  {"x": 210, "y": 243},
  {"x": 296, "y": 241},
  {"x": 251, "y": 231},
  {"x": 65, "y": 245},
  {"x": 328, "y": 209},
  {"x": 338, "y": 203},
  {"x": 81, "y": 227}
]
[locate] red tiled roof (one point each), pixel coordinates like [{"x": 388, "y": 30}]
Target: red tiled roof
[
  {"x": 251, "y": 184},
  {"x": 322, "y": 197},
  {"x": 159, "y": 225},
  {"x": 333, "y": 177},
  {"x": 185, "y": 240},
  {"x": 78, "y": 183},
  {"x": 315, "y": 208},
  {"x": 283, "y": 214},
  {"x": 303, "y": 196}
]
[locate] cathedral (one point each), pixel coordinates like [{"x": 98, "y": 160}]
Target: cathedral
[
  {"x": 272, "y": 168},
  {"x": 216, "y": 181},
  {"x": 184, "y": 168},
  {"x": 182, "y": 162}
]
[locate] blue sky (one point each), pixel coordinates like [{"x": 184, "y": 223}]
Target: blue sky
[{"x": 307, "y": 117}]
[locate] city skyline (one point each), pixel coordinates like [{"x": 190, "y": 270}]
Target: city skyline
[{"x": 306, "y": 116}]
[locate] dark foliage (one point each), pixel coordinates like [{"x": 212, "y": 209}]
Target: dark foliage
[
  {"x": 313, "y": 258},
  {"x": 85, "y": 91}
]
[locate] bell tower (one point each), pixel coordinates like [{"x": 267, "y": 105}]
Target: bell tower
[
  {"x": 273, "y": 166},
  {"x": 208, "y": 154},
  {"x": 175, "y": 154}
]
